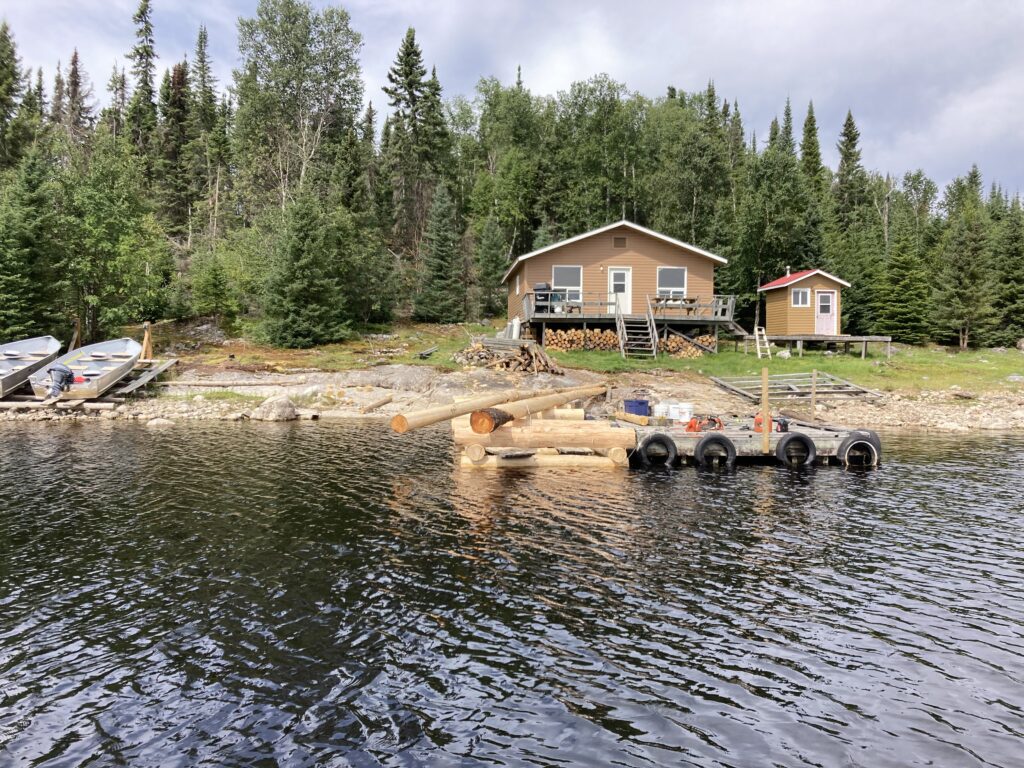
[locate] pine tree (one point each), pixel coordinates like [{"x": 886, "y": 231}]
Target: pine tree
[
  {"x": 79, "y": 110},
  {"x": 113, "y": 115},
  {"x": 963, "y": 290},
  {"x": 305, "y": 305},
  {"x": 810, "y": 154},
  {"x": 57, "y": 109},
  {"x": 440, "y": 299},
  {"x": 1008, "y": 302},
  {"x": 905, "y": 295},
  {"x": 173, "y": 188},
  {"x": 10, "y": 91},
  {"x": 204, "y": 86},
  {"x": 850, "y": 188},
  {"x": 491, "y": 263},
  {"x": 141, "y": 113}
]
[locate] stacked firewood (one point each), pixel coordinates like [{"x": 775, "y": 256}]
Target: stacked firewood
[
  {"x": 527, "y": 358},
  {"x": 577, "y": 339},
  {"x": 682, "y": 349}
]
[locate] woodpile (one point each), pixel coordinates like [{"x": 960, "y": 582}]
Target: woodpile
[
  {"x": 527, "y": 358},
  {"x": 680, "y": 348},
  {"x": 577, "y": 339},
  {"x": 527, "y": 429}
]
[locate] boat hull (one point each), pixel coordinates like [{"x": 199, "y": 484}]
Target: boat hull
[
  {"x": 20, "y": 359},
  {"x": 97, "y": 368}
]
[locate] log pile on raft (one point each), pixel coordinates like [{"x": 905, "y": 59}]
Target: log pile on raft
[{"x": 527, "y": 429}]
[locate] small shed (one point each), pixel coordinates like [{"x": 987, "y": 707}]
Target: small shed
[{"x": 806, "y": 303}]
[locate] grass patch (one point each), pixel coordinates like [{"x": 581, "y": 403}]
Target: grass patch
[{"x": 911, "y": 369}]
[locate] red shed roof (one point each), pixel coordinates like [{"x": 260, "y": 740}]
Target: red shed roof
[{"x": 796, "y": 277}]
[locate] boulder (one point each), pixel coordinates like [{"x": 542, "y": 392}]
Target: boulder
[
  {"x": 277, "y": 408},
  {"x": 783, "y": 354},
  {"x": 159, "y": 423}
]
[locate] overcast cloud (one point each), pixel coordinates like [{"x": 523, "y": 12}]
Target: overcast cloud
[{"x": 935, "y": 85}]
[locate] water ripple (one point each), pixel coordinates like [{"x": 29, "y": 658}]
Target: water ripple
[{"x": 306, "y": 594}]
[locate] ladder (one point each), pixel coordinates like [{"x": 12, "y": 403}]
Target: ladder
[{"x": 761, "y": 342}]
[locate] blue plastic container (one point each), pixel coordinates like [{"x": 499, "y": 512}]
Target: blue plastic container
[{"x": 638, "y": 407}]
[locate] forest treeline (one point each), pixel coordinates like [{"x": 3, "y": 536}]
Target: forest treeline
[{"x": 283, "y": 201}]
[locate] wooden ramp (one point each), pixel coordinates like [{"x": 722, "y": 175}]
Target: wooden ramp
[
  {"x": 813, "y": 385},
  {"x": 145, "y": 371}
]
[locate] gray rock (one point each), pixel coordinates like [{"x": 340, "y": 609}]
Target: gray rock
[
  {"x": 783, "y": 354},
  {"x": 159, "y": 423},
  {"x": 278, "y": 408},
  {"x": 1015, "y": 377}
]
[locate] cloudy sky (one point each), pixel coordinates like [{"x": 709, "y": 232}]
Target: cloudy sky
[{"x": 935, "y": 85}]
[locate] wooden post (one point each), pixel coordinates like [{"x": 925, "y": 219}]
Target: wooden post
[
  {"x": 814, "y": 393},
  {"x": 147, "y": 341},
  {"x": 864, "y": 350},
  {"x": 888, "y": 349},
  {"x": 76, "y": 337},
  {"x": 800, "y": 347},
  {"x": 766, "y": 415}
]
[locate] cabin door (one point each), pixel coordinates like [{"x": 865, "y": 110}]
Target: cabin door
[
  {"x": 620, "y": 282},
  {"x": 825, "y": 314}
]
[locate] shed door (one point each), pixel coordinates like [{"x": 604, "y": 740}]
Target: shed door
[
  {"x": 825, "y": 313},
  {"x": 620, "y": 281}
]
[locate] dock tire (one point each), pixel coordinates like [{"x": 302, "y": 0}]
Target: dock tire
[
  {"x": 858, "y": 449},
  {"x": 795, "y": 449},
  {"x": 714, "y": 446},
  {"x": 665, "y": 452},
  {"x": 873, "y": 437}
]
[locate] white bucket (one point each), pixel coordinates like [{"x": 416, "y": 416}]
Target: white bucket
[
  {"x": 680, "y": 411},
  {"x": 660, "y": 410}
]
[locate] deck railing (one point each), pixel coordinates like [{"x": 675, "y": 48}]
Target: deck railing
[{"x": 563, "y": 304}]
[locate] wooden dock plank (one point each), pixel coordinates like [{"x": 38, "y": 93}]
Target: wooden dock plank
[{"x": 146, "y": 376}]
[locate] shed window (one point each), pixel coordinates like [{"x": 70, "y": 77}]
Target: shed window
[
  {"x": 567, "y": 283},
  {"x": 618, "y": 242},
  {"x": 672, "y": 282},
  {"x": 801, "y": 297}
]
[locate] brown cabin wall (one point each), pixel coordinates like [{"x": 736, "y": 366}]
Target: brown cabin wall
[
  {"x": 782, "y": 318},
  {"x": 643, "y": 254}
]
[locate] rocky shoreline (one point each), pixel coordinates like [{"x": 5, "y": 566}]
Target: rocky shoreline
[{"x": 200, "y": 394}]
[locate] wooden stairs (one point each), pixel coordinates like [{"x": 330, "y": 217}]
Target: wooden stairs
[{"x": 639, "y": 339}]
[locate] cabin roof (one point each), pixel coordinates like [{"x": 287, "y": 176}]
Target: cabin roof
[
  {"x": 796, "y": 277},
  {"x": 608, "y": 228}
]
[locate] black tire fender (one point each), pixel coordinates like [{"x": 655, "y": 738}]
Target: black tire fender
[
  {"x": 860, "y": 439},
  {"x": 788, "y": 439},
  {"x": 718, "y": 441},
  {"x": 665, "y": 443}
]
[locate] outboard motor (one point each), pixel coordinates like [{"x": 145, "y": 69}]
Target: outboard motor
[{"x": 61, "y": 379}]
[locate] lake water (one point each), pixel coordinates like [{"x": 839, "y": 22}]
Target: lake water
[{"x": 304, "y": 594}]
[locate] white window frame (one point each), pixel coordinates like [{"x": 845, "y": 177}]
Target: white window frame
[
  {"x": 517, "y": 283},
  {"x": 792, "y": 297},
  {"x": 673, "y": 294},
  {"x": 563, "y": 294}
]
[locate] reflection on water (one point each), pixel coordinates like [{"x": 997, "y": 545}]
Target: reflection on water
[{"x": 327, "y": 595}]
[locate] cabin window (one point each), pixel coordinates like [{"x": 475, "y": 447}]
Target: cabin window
[
  {"x": 618, "y": 242},
  {"x": 567, "y": 283},
  {"x": 672, "y": 282},
  {"x": 801, "y": 297}
]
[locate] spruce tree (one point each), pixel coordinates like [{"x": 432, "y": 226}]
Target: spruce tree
[
  {"x": 142, "y": 112},
  {"x": 305, "y": 305},
  {"x": 57, "y": 105},
  {"x": 850, "y": 188},
  {"x": 491, "y": 263},
  {"x": 810, "y": 154},
  {"x": 442, "y": 292},
  {"x": 113, "y": 115},
  {"x": 10, "y": 91},
  {"x": 1008, "y": 301},
  {"x": 78, "y": 116},
  {"x": 211, "y": 291},
  {"x": 904, "y": 295},
  {"x": 963, "y": 288},
  {"x": 171, "y": 171}
]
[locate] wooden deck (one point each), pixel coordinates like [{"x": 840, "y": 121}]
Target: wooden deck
[{"x": 799, "y": 340}]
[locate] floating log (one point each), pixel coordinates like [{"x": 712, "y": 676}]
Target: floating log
[
  {"x": 405, "y": 422},
  {"x": 633, "y": 418},
  {"x": 617, "y": 454},
  {"x": 540, "y": 460},
  {"x": 376, "y": 404},
  {"x": 551, "y": 434},
  {"x": 476, "y": 451},
  {"x": 486, "y": 421}
]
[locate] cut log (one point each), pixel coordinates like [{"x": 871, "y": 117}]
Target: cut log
[
  {"x": 540, "y": 460},
  {"x": 405, "y": 422},
  {"x": 562, "y": 414},
  {"x": 476, "y": 452},
  {"x": 484, "y": 421},
  {"x": 376, "y": 404},
  {"x": 553, "y": 434},
  {"x": 618, "y": 455},
  {"x": 633, "y": 418}
]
